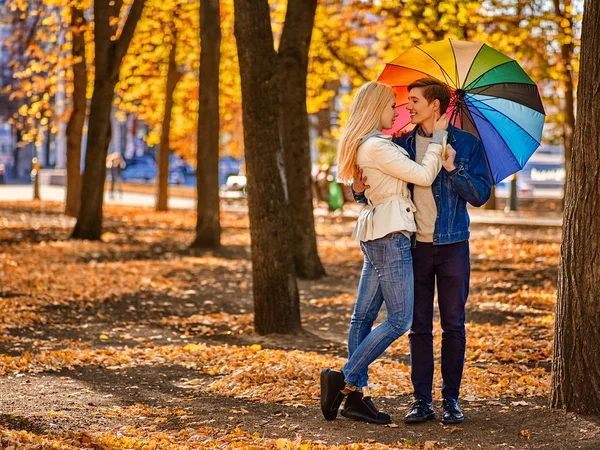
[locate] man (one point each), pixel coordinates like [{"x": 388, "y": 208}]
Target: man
[
  {"x": 441, "y": 250},
  {"x": 115, "y": 163}
]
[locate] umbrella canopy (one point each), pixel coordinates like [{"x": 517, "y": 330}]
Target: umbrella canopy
[{"x": 491, "y": 97}]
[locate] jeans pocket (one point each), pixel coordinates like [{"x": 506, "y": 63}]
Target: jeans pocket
[{"x": 375, "y": 251}]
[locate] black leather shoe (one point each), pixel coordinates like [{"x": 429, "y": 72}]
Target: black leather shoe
[
  {"x": 420, "y": 411},
  {"x": 332, "y": 383},
  {"x": 358, "y": 407},
  {"x": 452, "y": 413}
]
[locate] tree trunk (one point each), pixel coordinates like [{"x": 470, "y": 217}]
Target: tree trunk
[
  {"x": 89, "y": 220},
  {"x": 208, "y": 226},
  {"x": 77, "y": 119},
  {"x": 576, "y": 363},
  {"x": 491, "y": 203},
  {"x": 109, "y": 54},
  {"x": 276, "y": 301},
  {"x": 173, "y": 77},
  {"x": 294, "y": 129}
]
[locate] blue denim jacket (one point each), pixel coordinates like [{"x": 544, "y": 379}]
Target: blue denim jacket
[{"x": 469, "y": 182}]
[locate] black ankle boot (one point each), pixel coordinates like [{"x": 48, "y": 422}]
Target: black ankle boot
[
  {"x": 332, "y": 384},
  {"x": 361, "y": 408}
]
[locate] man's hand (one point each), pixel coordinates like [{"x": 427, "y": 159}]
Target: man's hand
[
  {"x": 448, "y": 161},
  {"x": 359, "y": 184}
]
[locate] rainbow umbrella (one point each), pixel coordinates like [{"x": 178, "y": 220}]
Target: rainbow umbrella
[{"x": 491, "y": 97}]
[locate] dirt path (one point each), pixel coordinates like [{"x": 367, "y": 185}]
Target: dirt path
[{"x": 143, "y": 290}]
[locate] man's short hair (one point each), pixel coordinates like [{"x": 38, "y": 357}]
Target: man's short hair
[{"x": 432, "y": 90}]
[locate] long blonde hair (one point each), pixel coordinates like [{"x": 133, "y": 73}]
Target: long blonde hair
[{"x": 365, "y": 116}]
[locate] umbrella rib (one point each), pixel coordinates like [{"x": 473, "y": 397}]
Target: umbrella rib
[
  {"x": 487, "y": 87},
  {"x": 409, "y": 68},
  {"x": 476, "y": 56},
  {"x": 466, "y": 112},
  {"x": 481, "y": 116},
  {"x": 457, "y": 82},
  {"x": 487, "y": 161},
  {"x": 495, "y": 67},
  {"x": 440, "y": 66},
  {"x": 502, "y": 114}
]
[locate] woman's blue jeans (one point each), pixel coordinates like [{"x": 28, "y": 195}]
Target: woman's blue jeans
[{"x": 387, "y": 277}]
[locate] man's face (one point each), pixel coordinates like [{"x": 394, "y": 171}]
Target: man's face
[{"x": 419, "y": 108}]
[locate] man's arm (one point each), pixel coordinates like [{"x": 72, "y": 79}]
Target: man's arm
[{"x": 473, "y": 184}]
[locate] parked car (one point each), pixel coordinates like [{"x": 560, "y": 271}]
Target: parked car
[
  {"x": 145, "y": 173},
  {"x": 524, "y": 189},
  {"x": 139, "y": 173},
  {"x": 234, "y": 187},
  {"x": 144, "y": 160}
]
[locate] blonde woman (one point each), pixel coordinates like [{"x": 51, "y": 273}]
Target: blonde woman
[{"x": 384, "y": 229}]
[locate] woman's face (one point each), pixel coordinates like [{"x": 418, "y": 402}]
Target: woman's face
[{"x": 389, "y": 115}]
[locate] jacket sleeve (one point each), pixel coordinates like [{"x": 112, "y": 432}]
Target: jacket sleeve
[
  {"x": 473, "y": 184},
  {"x": 359, "y": 197},
  {"x": 390, "y": 160}
]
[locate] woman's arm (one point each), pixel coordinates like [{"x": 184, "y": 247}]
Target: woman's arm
[{"x": 391, "y": 161}]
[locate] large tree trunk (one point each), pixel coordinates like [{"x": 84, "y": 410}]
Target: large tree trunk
[
  {"x": 293, "y": 122},
  {"x": 208, "y": 226},
  {"x": 109, "y": 54},
  {"x": 276, "y": 301},
  {"x": 77, "y": 119},
  {"x": 576, "y": 363},
  {"x": 173, "y": 77}
]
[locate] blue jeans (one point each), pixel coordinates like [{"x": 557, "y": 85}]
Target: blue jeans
[
  {"x": 449, "y": 266},
  {"x": 387, "y": 276}
]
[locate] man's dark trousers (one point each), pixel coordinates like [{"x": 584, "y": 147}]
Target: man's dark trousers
[{"x": 450, "y": 265}]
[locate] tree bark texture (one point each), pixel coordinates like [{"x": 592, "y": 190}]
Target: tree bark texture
[
  {"x": 173, "y": 77},
  {"x": 576, "y": 364},
  {"x": 294, "y": 130},
  {"x": 107, "y": 61},
  {"x": 208, "y": 225},
  {"x": 276, "y": 301},
  {"x": 77, "y": 119}
]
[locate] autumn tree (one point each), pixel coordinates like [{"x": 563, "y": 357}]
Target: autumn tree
[
  {"x": 276, "y": 300},
  {"x": 111, "y": 40},
  {"x": 164, "y": 148},
  {"x": 208, "y": 228},
  {"x": 39, "y": 63},
  {"x": 576, "y": 364},
  {"x": 77, "y": 118},
  {"x": 293, "y": 123}
]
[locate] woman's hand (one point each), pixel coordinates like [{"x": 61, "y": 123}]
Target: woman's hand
[
  {"x": 441, "y": 123},
  {"x": 359, "y": 184}
]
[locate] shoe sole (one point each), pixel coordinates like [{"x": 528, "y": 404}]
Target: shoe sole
[
  {"x": 329, "y": 415},
  {"x": 453, "y": 421},
  {"x": 421, "y": 420},
  {"x": 361, "y": 418}
]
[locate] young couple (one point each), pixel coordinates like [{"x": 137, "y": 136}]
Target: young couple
[{"x": 414, "y": 195}]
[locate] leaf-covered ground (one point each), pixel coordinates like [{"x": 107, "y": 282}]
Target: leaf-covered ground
[{"x": 139, "y": 342}]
